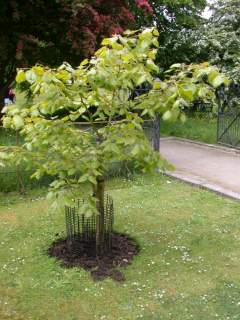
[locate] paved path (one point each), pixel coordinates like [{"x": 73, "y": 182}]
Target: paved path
[{"x": 212, "y": 167}]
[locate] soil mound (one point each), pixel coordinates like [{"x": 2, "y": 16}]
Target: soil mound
[{"x": 121, "y": 255}]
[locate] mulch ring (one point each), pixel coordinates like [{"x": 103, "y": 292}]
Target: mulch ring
[{"x": 123, "y": 250}]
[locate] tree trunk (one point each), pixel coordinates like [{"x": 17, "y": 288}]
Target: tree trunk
[
  {"x": 19, "y": 175},
  {"x": 100, "y": 218}
]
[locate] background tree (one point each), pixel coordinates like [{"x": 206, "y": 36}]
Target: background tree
[
  {"x": 221, "y": 38},
  {"x": 50, "y": 32},
  {"x": 176, "y": 22},
  {"x": 80, "y": 155}
]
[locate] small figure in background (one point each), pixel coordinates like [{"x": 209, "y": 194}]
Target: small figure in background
[
  {"x": 11, "y": 95},
  {"x": 10, "y": 98}
]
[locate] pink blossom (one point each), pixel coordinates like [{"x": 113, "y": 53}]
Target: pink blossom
[
  {"x": 144, "y": 4},
  {"x": 117, "y": 30}
]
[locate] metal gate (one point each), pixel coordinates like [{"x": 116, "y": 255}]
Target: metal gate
[{"x": 228, "y": 126}]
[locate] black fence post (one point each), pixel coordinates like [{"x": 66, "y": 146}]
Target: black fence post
[{"x": 156, "y": 133}]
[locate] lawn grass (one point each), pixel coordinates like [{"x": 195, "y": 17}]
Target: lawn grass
[
  {"x": 188, "y": 266},
  {"x": 7, "y": 137},
  {"x": 195, "y": 128}
]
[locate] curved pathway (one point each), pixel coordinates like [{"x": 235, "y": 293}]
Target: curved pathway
[{"x": 207, "y": 166}]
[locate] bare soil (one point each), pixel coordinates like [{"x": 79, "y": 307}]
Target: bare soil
[{"x": 122, "y": 253}]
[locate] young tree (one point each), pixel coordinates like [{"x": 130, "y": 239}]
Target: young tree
[{"x": 99, "y": 91}]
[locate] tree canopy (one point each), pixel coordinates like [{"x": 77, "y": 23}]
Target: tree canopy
[{"x": 106, "y": 81}]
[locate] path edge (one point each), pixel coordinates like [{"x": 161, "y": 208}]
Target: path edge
[
  {"x": 203, "y": 144},
  {"x": 206, "y": 186}
]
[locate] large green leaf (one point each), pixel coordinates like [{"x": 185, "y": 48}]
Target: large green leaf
[
  {"x": 21, "y": 77},
  {"x": 187, "y": 91},
  {"x": 18, "y": 122}
]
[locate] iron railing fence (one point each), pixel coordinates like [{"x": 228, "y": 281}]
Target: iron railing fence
[{"x": 228, "y": 124}]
